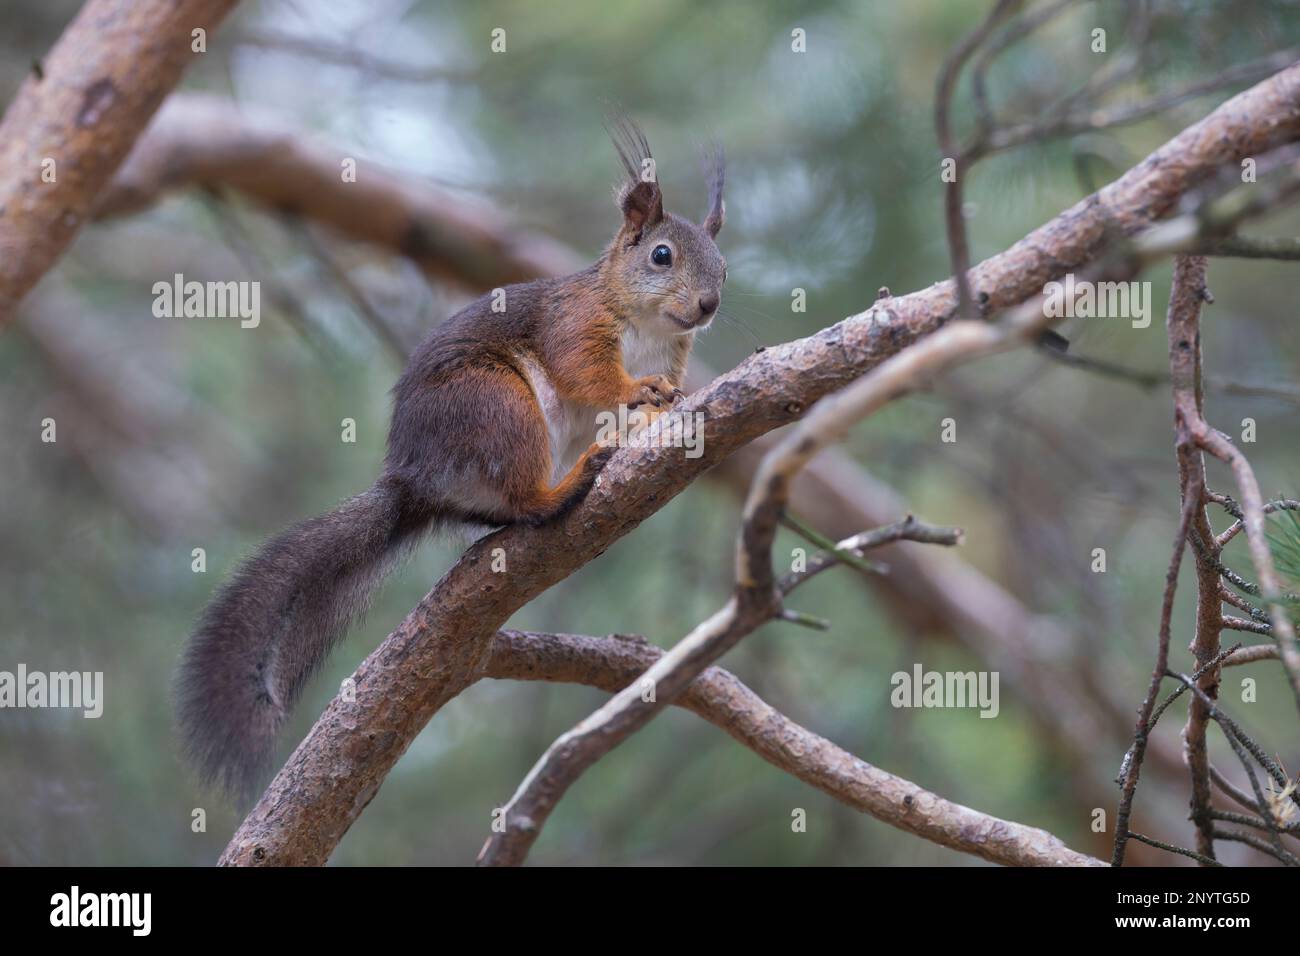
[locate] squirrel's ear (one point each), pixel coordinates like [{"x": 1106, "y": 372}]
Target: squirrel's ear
[
  {"x": 715, "y": 174},
  {"x": 640, "y": 198},
  {"x": 642, "y": 206}
]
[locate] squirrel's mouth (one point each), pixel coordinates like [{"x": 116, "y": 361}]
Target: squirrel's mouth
[{"x": 689, "y": 326}]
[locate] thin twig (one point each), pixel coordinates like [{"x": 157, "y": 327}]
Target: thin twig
[
  {"x": 1220, "y": 658},
  {"x": 1249, "y": 655},
  {"x": 1180, "y": 850},
  {"x": 1147, "y": 381},
  {"x": 1053, "y": 126},
  {"x": 1246, "y": 819},
  {"x": 954, "y": 211},
  {"x": 1133, "y": 760},
  {"x": 1281, "y": 504},
  {"x": 909, "y": 529},
  {"x": 1277, "y": 851},
  {"x": 1241, "y": 744},
  {"x": 1232, "y": 790},
  {"x": 1241, "y": 624},
  {"x": 1257, "y": 247}
]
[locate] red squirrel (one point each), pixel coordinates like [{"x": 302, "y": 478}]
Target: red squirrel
[{"x": 493, "y": 423}]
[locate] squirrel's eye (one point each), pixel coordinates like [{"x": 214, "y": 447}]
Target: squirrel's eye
[{"x": 661, "y": 255}]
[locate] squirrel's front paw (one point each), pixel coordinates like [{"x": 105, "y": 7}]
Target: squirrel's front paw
[{"x": 654, "y": 390}]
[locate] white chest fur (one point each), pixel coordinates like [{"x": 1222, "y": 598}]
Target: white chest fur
[
  {"x": 647, "y": 353},
  {"x": 571, "y": 426}
]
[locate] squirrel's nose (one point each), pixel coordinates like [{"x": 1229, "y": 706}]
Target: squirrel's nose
[{"x": 709, "y": 302}]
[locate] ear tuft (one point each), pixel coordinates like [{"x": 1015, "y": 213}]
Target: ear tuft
[
  {"x": 715, "y": 176},
  {"x": 630, "y": 143},
  {"x": 639, "y": 197}
]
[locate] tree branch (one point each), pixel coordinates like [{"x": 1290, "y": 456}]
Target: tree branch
[
  {"x": 752, "y": 604},
  {"x": 435, "y": 652},
  {"x": 1183, "y": 327},
  {"x": 96, "y": 91},
  {"x": 945, "y": 589},
  {"x": 756, "y": 596},
  {"x": 286, "y": 171},
  {"x": 953, "y": 206},
  {"x": 1132, "y": 765},
  {"x": 613, "y": 663},
  {"x": 929, "y": 588}
]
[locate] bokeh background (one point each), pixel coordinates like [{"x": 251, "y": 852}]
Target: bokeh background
[{"x": 175, "y": 434}]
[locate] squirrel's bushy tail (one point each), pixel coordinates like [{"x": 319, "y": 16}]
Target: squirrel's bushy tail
[{"x": 270, "y": 627}]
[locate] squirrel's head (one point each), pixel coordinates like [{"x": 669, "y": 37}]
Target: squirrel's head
[{"x": 666, "y": 270}]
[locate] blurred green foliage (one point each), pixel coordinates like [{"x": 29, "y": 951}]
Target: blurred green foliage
[{"x": 832, "y": 187}]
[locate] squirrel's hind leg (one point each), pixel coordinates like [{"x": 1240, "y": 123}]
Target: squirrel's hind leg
[
  {"x": 495, "y": 462},
  {"x": 541, "y": 503}
]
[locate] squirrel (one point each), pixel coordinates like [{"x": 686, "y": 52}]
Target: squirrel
[{"x": 492, "y": 424}]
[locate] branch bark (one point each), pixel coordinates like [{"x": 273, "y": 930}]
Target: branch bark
[
  {"x": 288, "y": 172},
  {"x": 612, "y": 663},
  {"x": 1183, "y": 324},
  {"x": 1132, "y": 766},
  {"x": 1194, "y": 435},
  {"x": 436, "y": 651},
  {"x": 756, "y": 597},
  {"x": 95, "y": 93},
  {"x": 932, "y": 589}
]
